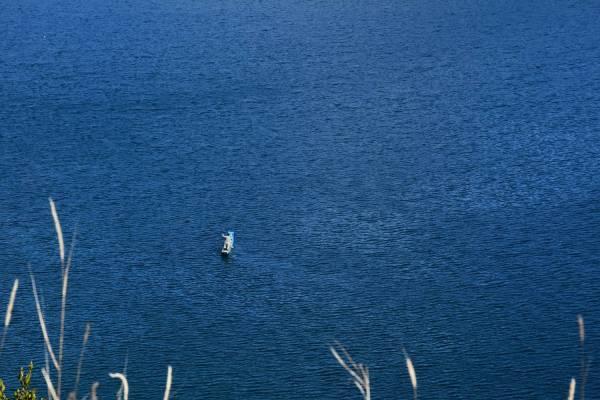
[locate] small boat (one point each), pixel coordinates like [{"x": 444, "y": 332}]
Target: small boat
[{"x": 228, "y": 244}]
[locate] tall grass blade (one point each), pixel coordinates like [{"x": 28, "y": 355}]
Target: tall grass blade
[
  {"x": 11, "y": 303},
  {"x": 411, "y": 373},
  {"x": 120, "y": 391},
  {"x": 168, "y": 385},
  {"x": 47, "y": 365},
  {"x": 340, "y": 361},
  {"x": 43, "y": 324},
  {"x": 9, "y": 310},
  {"x": 59, "y": 234},
  {"x": 358, "y": 372},
  {"x": 581, "y": 325},
  {"x": 583, "y": 356},
  {"x": 93, "y": 395},
  {"x": 572, "y": 389},
  {"x": 367, "y": 382},
  {"x": 63, "y": 310},
  {"x": 117, "y": 375},
  {"x": 86, "y": 336},
  {"x": 49, "y": 384}
]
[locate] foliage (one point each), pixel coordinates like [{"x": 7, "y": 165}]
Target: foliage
[{"x": 25, "y": 392}]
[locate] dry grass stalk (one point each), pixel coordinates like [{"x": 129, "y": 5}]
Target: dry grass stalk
[
  {"x": 46, "y": 357},
  {"x": 411, "y": 373},
  {"x": 168, "y": 385},
  {"x": 63, "y": 309},
  {"x": 581, "y": 329},
  {"x": 47, "y": 365},
  {"x": 117, "y": 375},
  {"x": 120, "y": 391},
  {"x": 572, "y": 389},
  {"x": 49, "y": 384},
  {"x": 61, "y": 243},
  {"x": 92, "y": 395},
  {"x": 358, "y": 372},
  {"x": 86, "y": 336},
  {"x": 43, "y": 324},
  {"x": 9, "y": 310},
  {"x": 583, "y": 356},
  {"x": 11, "y": 303}
]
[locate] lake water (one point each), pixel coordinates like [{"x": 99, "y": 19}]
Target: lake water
[{"x": 399, "y": 174}]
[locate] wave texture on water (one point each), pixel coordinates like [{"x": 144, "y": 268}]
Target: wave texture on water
[{"x": 419, "y": 175}]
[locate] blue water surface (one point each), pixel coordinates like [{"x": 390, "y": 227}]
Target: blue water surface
[{"x": 418, "y": 175}]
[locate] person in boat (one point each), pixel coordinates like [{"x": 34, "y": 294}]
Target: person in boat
[{"x": 228, "y": 243}]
